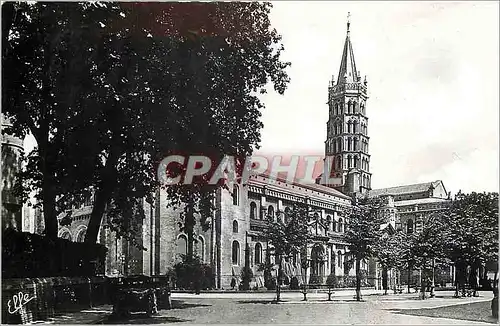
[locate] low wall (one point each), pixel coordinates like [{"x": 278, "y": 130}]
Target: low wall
[{"x": 25, "y": 300}]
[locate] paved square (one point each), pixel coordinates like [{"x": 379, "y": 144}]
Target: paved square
[{"x": 257, "y": 308}]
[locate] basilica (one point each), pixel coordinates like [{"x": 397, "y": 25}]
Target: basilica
[{"x": 238, "y": 220}]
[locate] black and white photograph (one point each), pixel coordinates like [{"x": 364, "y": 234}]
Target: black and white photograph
[{"x": 281, "y": 162}]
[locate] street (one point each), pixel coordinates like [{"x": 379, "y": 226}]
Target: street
[{"x": 257, "y": 308}]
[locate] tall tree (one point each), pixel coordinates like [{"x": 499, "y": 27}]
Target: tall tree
[
  {"x": 287, "y": 235},
  {"x": 108, "y": 89},
  {"x": 388, "y": 251},
  {"x": 363, "y": 232},
  {"x": 49, "y": 57},
  {"x": 427, "y": 245},
  {"x": 471, "y": 233}
]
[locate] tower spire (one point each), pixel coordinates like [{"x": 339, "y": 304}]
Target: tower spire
[
  {"x": 348, "y": 21},
  {"x": 347, "y": 71}
]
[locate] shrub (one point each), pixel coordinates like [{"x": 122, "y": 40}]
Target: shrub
[
  {"x": 233, "y": 283},
  {"x": 315, "y": 280},
  {"x": 271, "y": 283},
  {"x": 246, "y": 278},
  {"x": 31, "y": 255},
  {"x": 294, "y": 283},
  {"x": 191, "y": 274},
  {"x": 331, "y": 281}
]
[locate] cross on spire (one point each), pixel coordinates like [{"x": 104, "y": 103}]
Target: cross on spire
[{"x": 348, "y": 21}]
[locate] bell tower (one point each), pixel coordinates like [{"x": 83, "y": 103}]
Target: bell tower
[{"x": 346, "y": 145}]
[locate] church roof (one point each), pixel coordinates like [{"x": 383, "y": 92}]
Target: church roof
[
  {"x": 347, "y": 64},
  {"x": 406, "y": 189},
  {"x": 420, "y": 201},
  {"x": 299, "y": 188}
]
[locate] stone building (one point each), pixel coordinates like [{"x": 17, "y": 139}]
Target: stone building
[
  {"x": 408, "y": 207},
  {"x": 12, "y": 206}
]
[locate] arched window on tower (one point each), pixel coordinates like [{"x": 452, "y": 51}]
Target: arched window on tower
[
  {"x": 349, "y": 161},
  {"x": 349, "y": 127},
  {"x": 339, "y": 162},
  {"x": 355, "y": 127},
  {"x": 339, "y": 144},
  {"x": 335, "y": 128},
  {"x": 334, "y": 225},
  {"x": 349, "y": 144},
  {"x": 253, "y": 210},
  {"x": 355, "y": 144},
  {"x": 341, "y": 226},
  {"x": 349, "y": 103},
  {"x": 270, "y": 212},
  {"x": 356, "y": 159},
  {"x": 288, "y": 213},
  {"x": 409, "y": 226},
  {"x": 235, "y": 226},
  {"x": 339, "y": 257},
  {"x": 355, "y": 107},
  {"x": 80, "y": 237},
  {"x": 258, "y": 253},
  {"x": 236, "y": 195},
  {"x": 235, "y": 253},
  {"x": 181, "y": 245},
  {"x": 201, "y": 248}
]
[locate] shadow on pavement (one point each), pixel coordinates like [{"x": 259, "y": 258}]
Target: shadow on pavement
[
  {"x": 476, "y": 311},
  {"x": 256, "y": 301},
  {"x": 143, "y": 319},
  {"x": 297, "y": 301},
  {"x": 179, "y": 304}
]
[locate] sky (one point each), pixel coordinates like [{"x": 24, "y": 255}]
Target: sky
[{"x": 433, "y": 81}]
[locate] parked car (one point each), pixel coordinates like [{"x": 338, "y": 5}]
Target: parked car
[{"x": 140, "y": 293}]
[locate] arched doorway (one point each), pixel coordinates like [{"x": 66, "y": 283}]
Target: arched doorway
[{"x": 318, "y": 263}]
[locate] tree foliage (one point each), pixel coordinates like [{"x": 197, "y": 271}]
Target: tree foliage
[
  {"x": 364, "y": 220},
  {"x": 363, "y": 227},
  {"x": 287, "y": 236},
  {"x": 471, "y": 233},
  {"x": 108, "y": 89}
]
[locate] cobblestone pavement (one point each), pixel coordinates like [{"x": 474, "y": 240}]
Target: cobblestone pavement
[{"x": 257, "y": 308}]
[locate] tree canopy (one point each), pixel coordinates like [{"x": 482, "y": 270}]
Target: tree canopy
[{"x": 109, "y": 89}]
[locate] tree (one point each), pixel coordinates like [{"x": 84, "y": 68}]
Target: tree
[
  {"x": 426, "y": 246},
  {"x": 289, "y": 238},
  {"x": 126, "y": 84},
  {"x": 471, "y": 233},
  {"x": 363, "y": 232},
  {"x": 388, "y": 251}
]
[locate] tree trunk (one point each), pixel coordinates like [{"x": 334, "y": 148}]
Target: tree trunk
[
  {"x": 278, "y": 280},
  {"x": 49, "y": 209},
  {"x": 358, "y": 279},
  {"x": 384, "y": 279},
  {"x": 423, "y": 282},
  {"x": 409, "y": 277},
  {"x": 48, "y": 195},
  {"x": 102, "y": 198},
  {"x": 189, "y": 223}
]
